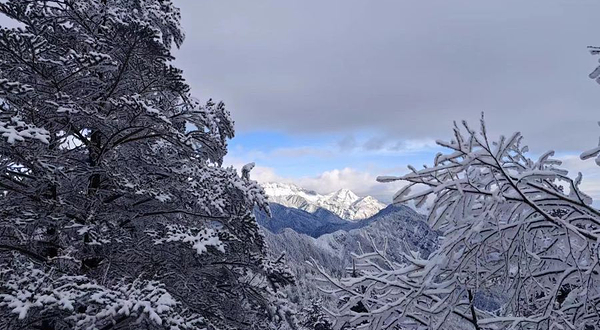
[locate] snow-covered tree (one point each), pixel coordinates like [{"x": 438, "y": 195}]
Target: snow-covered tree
[
  {"x": 519, "y": 246},
  {"x": 115, "y": 211},
  {"x": 313, "y": 317}
]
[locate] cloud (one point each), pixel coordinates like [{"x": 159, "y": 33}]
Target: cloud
[
  {"x": 7, "y": 22},
  {"x": 374, "y": 143},
  {"x": 347, "y": 151},
  {"x": 414, "y": 145},
  {"x": 283, "y": 153},
  {"x": 300, "y": 152},
  {"x": 265, "y": 174},
  {"x": 348, "y": 143},
  {"x": 590, "y": 171},
  {"x": 364, "y": 183},
  {"x": 404, "y": 69}
]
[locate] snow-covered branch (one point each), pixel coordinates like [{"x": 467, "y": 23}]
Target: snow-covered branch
[{"x": 519, "y": 246}]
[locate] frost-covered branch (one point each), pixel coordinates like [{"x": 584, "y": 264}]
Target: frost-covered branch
[{"x": 519, "y": 246}]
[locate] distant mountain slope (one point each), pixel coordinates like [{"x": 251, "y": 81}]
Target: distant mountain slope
[
  {"x": 398, "y": 226},
  {"x": 321, "y": 221},
  {"x": 395, "y": 228},
  {"x": 344, "y": 203},
  {"x": 312, "y": 224}
]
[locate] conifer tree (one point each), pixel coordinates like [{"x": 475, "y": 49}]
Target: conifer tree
[{"x": 115, "y": 210}]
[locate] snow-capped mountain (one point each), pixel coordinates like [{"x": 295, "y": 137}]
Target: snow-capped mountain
[{"x": 344, "y": 203}]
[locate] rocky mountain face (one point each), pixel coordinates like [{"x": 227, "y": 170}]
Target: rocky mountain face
[{"x": 343, "y": 203}]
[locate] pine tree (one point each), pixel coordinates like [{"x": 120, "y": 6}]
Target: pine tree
[
  {"x": 115, "y": 210},
  {"x": 314, "y": 317}
]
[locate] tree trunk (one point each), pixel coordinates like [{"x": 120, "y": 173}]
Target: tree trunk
[
  {"x": 94, "y": 149},
  {"x": 473, "y": 313}
]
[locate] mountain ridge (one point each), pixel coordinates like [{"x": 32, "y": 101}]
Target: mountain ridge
[
  {"x": 395, "y": 229},
  {"x": 318, "y": 223},
  {"x": 344, "y": 203}
]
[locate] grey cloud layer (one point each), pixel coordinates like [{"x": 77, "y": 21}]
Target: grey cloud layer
[{"x": 404, "y": 68}]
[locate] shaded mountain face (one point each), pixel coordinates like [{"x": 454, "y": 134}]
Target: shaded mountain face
[
  {"x": 312, "y": 224},
  {"x": 402, "y": 227},
  {"x": 394, "y": 229},
  {"x": 317, "y": 223},
  {"x": 307, "y": 226},
  {"x": 344, "y": 203},
  {"x": 322, "y": 222},
  {"x": 330, "y": 241}
]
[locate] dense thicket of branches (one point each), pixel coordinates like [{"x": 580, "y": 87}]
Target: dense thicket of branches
[
  {"x": 115, "y": 212},
  {"x": 519, "y": 246}
]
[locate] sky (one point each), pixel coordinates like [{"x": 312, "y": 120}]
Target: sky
[{"x": 331, "y": 94}]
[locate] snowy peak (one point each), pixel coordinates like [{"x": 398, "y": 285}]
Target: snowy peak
[
  {"x": 286, "y": 189},
  {"x": 344, "y": 196},
  {"x": 366, "y": 207},
  {"x": 344, "y": 203},
  {"x": 291, "y": 195}
]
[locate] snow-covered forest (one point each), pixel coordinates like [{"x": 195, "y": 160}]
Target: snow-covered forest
[{"x": 117, "y": 211}]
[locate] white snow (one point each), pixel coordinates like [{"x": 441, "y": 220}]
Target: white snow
[{"x": 344, "y": 203}]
